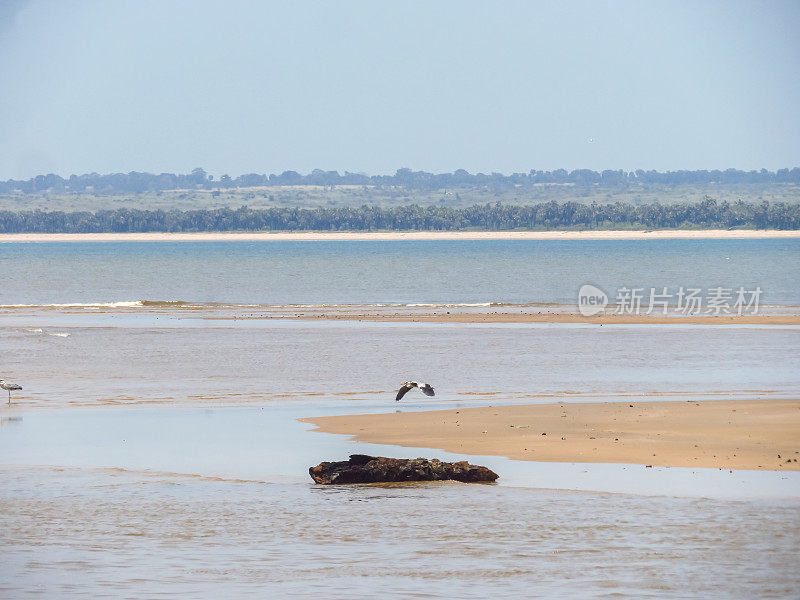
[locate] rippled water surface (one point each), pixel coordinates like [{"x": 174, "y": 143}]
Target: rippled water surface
[
  {"x": 518, "y": 271},
  {"x": 103, "y": 359},
  {"x": 105, "y": 534}
]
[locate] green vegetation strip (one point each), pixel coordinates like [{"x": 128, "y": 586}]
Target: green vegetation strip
[{"x": 708, "y": 214}]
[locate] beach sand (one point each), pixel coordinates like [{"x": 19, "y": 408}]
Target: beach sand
[
  {"x": 727, "y": 434},
  {"x": 543, "y": 317},
  {"x": 277, "y": 236},
  {"x": 776, "y": 316}
]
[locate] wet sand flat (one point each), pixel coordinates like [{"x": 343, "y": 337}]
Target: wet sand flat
[
  {"x": 477, "y": 313},
  {"x": 771, "y": 316},
  {"x": 226, "y": 236},
  {"x": 728, "y": 434},
  {"x": 443, "y": 316}
]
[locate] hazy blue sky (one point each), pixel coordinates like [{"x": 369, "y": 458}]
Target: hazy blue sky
[{"x": 235, "y": 87}]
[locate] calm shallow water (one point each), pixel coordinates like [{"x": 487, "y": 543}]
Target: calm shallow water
[
  {"x": 269, "y": 444},
  {"x": 148, "y": 359},
  {"x": 201, "y": 503},
  {"x": 83, "y": 534},
  {"x": 216, "y": 502}
]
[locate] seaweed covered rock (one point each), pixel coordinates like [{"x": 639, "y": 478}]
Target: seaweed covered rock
[{"x": 362, "y": 468}]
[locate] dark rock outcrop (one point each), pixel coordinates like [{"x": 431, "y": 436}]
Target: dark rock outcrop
[{"x": 362, "y": 468}]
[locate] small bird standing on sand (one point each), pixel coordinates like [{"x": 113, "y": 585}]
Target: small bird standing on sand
[
  {"x": 425, "y": 388},
  {"x": 9, "y": 387}
]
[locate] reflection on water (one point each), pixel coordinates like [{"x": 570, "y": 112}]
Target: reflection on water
[
  {"x": 270, "y": 444},
  {"x": 91, "y": 534}
]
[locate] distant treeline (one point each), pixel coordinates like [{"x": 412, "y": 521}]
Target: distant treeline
[
  {"x": 551, "y": 215},
  {"x": 198, "y": 179}
]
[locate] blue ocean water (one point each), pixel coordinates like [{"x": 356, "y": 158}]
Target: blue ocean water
[{"x": 348, "y": 272}]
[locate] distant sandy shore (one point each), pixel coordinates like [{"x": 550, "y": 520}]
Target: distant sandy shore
[
  {"x": 486, "y": 314},
  {"x": 727, "y": 434},
  {"x": 397, "y": 235},
  {"x": 543, "y": 317}
]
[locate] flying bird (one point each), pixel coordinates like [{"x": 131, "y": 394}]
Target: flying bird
[
  {"x": 13, "y": 386},
  {"x": 425, "y": 388}
]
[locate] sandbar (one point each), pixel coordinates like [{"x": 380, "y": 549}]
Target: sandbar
[
  {"x": 545, "y": 317},
  {"x": 727, "y": 434}
]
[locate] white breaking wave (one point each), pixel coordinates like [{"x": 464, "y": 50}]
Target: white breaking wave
[
  {"x": 40, "y": 330},
  {"x": 124, "y": 304},
  {"x": 456, "y": 305},
  {"x": 293, "y": 306}
]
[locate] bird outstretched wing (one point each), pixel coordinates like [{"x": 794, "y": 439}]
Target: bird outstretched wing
[
  {"x": 427, "y": 389},
  {"x": 404, "y": 390}
]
